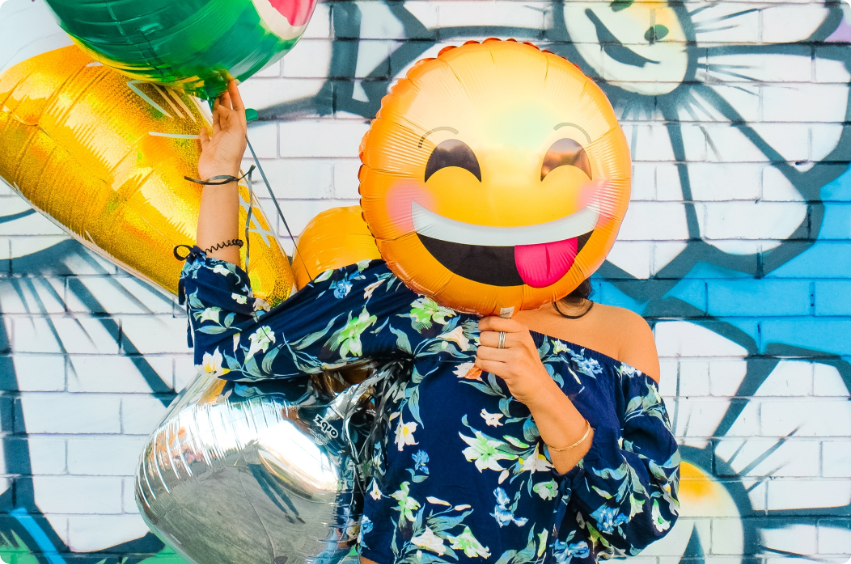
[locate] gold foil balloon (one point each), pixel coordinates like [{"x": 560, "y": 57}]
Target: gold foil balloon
[
  {"x": 105, "y": 157},
  {"x": 495, "y": 177},
  {"x": 335, "y": 238}
]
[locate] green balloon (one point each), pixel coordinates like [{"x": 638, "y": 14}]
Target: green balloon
[{"x": 196, "y": 45}]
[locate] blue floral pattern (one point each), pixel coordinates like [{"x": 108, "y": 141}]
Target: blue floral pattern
[{"x": 460, "y": 473}]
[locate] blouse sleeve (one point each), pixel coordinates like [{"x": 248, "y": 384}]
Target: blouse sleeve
[
  {"x": 356, "y": 313},
  {"x": 625, "y": 489}
]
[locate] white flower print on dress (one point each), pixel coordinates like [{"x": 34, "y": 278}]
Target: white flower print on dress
[
  {"x": 239, "y": 298},
  {"x": 212, "y": 364},
  {"x": 367, "y": 293},
  {"x": 429, "y": 541},
  {"x": 260, "y": 341},
  {"x": 485, "y": 452},
  {"x": 405, "y": 434},
  {"x": 547, "y": 490},
  {"x": 374, "y": 492},
  {"x": 469, "y": 544},
  {"x": 210, "y": 314},
  {"x": 659, "y": 522},
  {"x": 491, "y": 419},
  {"x": 407, "y": 505},
  {"x": 457, "y": 336},
  {"x": 537, "y": 462},
  {"x": 468, "y": 370}
]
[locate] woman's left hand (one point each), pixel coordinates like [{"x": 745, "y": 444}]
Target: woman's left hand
[{"x": 517, "y": 363}]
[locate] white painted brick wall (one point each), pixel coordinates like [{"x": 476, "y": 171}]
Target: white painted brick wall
[
  {"x": 321, "y": 138},
  {"x": 101, "y": 456},
  {"x": 140, "y": 414},
  {"x": 88, "y": 533},
  {"x": 727, "y": 537},
  {"x": 836, "y": 459},
  {"x": 803, "y": 495},
  {"x": 79, "y": 495},
  {"x": 62, "y": 412},
  {"x": 114, "y": 373},
  {"x": 763, "y": 128},
  {"x": 834, "y": 536}
]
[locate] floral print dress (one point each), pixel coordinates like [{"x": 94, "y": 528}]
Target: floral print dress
[{"x": 461, "y": 475}]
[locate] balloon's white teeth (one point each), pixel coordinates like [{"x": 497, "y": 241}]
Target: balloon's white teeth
[{"x": 435, "y": 226}]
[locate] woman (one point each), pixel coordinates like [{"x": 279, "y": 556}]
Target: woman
[{"x": 513, "y": 441}]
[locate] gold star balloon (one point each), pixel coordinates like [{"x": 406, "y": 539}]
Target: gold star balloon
[{"x": 105, "y": 158}]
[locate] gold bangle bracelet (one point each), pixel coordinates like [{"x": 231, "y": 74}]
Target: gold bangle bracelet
[{"x": 577, "y": 443}]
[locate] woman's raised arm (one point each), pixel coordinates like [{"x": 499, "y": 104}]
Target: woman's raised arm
[{"x": 221, "y": 154}]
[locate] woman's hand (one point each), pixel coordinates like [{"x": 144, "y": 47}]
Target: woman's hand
[
  {"x": 221, "y": 154},
  {"x": 223, "y": 147},
  {"x": 518, "y": 363}
]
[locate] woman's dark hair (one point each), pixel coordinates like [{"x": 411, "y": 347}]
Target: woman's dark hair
[{"x": 581, "y": 294}]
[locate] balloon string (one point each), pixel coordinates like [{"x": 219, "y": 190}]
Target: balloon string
[
  {"x": 277, "y": 206},
  {"x": 248, "y": 218}
]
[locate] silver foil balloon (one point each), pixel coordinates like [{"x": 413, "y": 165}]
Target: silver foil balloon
[{"x": 266, "y": 473}]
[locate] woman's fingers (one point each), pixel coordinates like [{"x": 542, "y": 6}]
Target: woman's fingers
[
  {"x": 499, "y": 324},
  {"x": 491, "y": 366},
  {"x": 491, "y": 339},
  {"x": 490, "y": 353},
  {"x": 205, "y": 138},
  {"x": 217, "y": 115},
  {"x": 236, "y": 98}
]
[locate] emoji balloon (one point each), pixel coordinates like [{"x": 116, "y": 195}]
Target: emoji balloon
[
  {"x": 197, "y": 45},
  {"x": 495, "y": 177},
  {"x": 335, "y": 238},
  {"x": 105, "y": 158}
]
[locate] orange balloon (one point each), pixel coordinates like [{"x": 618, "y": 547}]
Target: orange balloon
[
  {"x": 495, "y": 177},
  {"x": 335, "y": 238},
  {"x": 105, "y": 157}
]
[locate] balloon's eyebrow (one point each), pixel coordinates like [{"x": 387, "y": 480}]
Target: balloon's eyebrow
[
  {"x": 452, "y": 129},
  {"x": 573, "y": 125}
]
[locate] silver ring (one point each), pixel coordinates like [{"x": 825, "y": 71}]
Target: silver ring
[{"x": 501, "y": 344}]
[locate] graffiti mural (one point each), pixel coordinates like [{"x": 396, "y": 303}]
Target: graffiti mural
[{"x": 736, "y": 248}]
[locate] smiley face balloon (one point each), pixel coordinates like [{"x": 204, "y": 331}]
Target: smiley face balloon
[{"x": 495, "y": 177}]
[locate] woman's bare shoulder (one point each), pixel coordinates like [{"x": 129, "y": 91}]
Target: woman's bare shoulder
[
  {"x": 614, "y": 331},
  {"x": 633, "y": 335},
  {"x": 613, "y": 314}
]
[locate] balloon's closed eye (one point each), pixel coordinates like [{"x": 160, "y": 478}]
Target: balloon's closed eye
[
  {"x": 565, "y": 152},
  {"x": 453, "y": 152}
]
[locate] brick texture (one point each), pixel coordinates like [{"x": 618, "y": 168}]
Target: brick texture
[{"x": 736, "y": 249}]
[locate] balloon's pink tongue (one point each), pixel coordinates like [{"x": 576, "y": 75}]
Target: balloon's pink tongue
[
  {"x": 542, "y": 265},
  {"x": 297, "y": 12}
]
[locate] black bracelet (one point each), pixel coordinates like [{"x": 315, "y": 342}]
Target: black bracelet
[
  {"x": 195, "y": 251},
  {"x": 231, "y": 243},
  {"x": 219, "y": 180}
]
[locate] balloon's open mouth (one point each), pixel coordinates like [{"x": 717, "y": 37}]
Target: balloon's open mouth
[{"x": 536, "y": 255}]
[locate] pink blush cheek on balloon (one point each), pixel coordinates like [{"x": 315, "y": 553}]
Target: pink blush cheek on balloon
[
  {"x": 297, "y": 12},
  {"x": 399, "y": 199},
  {"x": 591, "y": 191}
]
